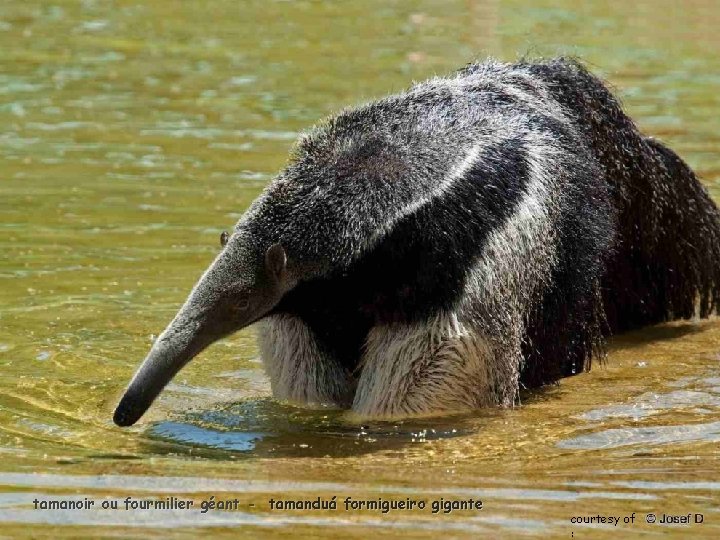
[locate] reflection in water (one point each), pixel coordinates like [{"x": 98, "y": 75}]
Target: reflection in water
[
  {"x": 132, "y": 134},
  {"x": 268, "y": 428},
  {"x": 193, "y": 435}
]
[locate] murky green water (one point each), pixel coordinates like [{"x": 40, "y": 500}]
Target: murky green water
[{"x": 132, "y": 133}]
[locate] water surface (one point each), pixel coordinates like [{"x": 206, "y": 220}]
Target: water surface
[{"x": 132, "y": 134}]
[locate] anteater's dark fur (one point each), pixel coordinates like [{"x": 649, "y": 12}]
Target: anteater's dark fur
[{"x": 665, "y": 263}]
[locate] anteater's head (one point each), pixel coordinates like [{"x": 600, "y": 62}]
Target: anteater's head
[{"x": 240, "y": 287}]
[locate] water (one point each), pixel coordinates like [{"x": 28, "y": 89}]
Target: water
[{"x": 132, "y": 135}]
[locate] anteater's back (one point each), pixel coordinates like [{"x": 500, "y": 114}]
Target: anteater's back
[
  {"x": 665, "y": 259},
  {"x": 666, "y": 262}
]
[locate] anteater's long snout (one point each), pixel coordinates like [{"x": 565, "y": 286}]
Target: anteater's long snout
[
  {"x": 196, "y": 325},
  {"x": 228, "y": 297},
  {"x": 175, "y": 348}
]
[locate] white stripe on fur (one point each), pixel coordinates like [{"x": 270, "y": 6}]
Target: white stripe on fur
[
  {"x": 460, "y": 168},
  {"x": 472, "y": 357}
]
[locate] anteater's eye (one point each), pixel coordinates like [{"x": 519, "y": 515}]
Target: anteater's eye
[
  {"x": 224, "y": 238},
  {"x": 242, "y": 303}
]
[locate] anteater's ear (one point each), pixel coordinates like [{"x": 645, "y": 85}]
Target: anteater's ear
[{"x": 276, "y": 261}]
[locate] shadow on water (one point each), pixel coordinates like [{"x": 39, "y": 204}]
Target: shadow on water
[
  {"x": 267, "y": 428},
  {"x": 650, "y": 334}
]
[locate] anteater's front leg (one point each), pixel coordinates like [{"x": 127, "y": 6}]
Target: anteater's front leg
[
  {"x": 301, "y": 370},
  {"x": 426, "y": 367}
]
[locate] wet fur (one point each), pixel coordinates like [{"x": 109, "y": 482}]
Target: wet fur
[{"x": 473, "y": 234}]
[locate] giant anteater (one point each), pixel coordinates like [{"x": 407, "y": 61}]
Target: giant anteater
[{"x": 435, "y": 249}]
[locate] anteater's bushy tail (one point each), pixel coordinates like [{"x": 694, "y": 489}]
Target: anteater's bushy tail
[{"x": 665, "y": 261}]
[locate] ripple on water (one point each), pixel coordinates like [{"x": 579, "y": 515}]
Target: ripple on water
[
  {"x": 13, "y": 506},
  {"x": 182, "y": 518},
  {"x": 652, "y": 403},
  {"x": 614, "y": 438}
]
